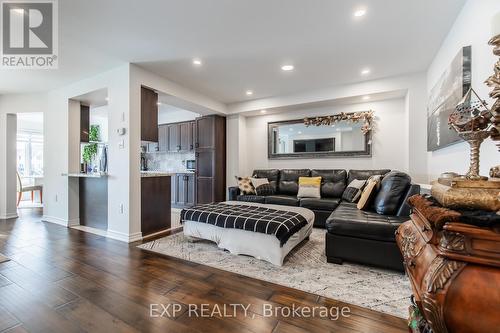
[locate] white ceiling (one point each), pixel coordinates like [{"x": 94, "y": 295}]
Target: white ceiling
[{"x": 243, "y": 43}]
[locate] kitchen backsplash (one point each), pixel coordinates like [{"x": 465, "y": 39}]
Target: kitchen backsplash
[{"x": 168, "y": 162}]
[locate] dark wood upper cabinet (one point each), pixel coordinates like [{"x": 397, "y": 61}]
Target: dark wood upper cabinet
[
  {"x": 185, "y": 136},
  {"x": 149, "y": 115},
  {"x": 84, "y": 123},
  {"x": 210, "y": 159},
  {"x": 173, "y": 138},
  {"x": 163, "y": 138},
  {"x": 193, "y": 136},
  {"x": 205, "y": 132}
]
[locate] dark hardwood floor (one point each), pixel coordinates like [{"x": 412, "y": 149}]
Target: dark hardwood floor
[{"x": 64, "y": 280}]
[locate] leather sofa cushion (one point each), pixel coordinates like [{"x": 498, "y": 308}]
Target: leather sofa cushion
[
  {"x": 287, "y": 200},
  {"x": 392, "y": 191},
  {"x": 251, "y": 198},
  {"x": 272, "y": 176},
  {"x": 365, "y": 174},
  {"x": 348, "y": 220},
  {"x": 333, "y": 182},
  {"x": 289, "y": 180},
  {"x": 328, "y": 204}
]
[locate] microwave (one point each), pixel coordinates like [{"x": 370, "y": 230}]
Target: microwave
[{"x": 191, "y": 165}]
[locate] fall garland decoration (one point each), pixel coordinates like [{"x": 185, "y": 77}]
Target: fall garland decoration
[{"x": 355, "y": 117}]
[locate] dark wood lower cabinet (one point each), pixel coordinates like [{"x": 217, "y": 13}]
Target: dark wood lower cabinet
[
  {"x": 155, "y": 204},
  {"x": 183, "y": 190}
]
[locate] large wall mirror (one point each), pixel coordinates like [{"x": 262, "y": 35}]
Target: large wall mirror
[{"x": 342, "y": 135}]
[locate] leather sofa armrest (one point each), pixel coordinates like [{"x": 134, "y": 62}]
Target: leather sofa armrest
[
  {"x": 405, "y": 209},
  {"x": 233, "y": 193}
]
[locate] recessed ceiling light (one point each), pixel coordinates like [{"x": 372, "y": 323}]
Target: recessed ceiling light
[
  {"x": 249, "y": 93},
  {"x": 365, "y": 98},
  {"x": 365, "y": 71},
  {"x": 287, "y": 68},
  {"x": 263, "y": 111},
  {"x": 159, "y": 103},
  {"x": 291, "y": 129},
  {"x": 360, "y": 13},
  {"x": 197, "y": 62},
  {"x": 300, "y": 132}
]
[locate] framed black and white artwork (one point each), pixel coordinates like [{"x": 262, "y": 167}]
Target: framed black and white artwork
[{"x": 444, "y": 96}]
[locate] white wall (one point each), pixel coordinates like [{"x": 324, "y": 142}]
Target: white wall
[
  {"x": 166, "y": 116},
  {"x": 414, "y": 121},
  {"x": 388, "y": 147},
  {"x": 472, "y": 27},
  {"x": 59, "y": 146}
]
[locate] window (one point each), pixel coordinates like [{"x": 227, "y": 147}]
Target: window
[{"x": 29, "y": 154}]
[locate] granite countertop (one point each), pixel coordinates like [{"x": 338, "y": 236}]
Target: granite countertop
[
  {"x": 85, "y": 175},
  {"x": 156, "y": 174}
]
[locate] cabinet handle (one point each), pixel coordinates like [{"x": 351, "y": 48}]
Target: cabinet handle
[
  {"x": 191, "y": 147},
  {"x": 197, "y": 145}
]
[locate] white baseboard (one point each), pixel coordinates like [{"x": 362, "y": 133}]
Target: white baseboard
[
  {"x": 9, "y": 216},
  {"x": 59, "y": 221},
  {"x": 123, "y": 237},
  {"x": 74, "y": 222}
]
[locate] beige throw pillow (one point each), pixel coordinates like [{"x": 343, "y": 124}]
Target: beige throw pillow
[{"x": 368, "y": 194}]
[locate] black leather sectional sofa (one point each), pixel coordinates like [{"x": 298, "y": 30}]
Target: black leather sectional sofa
[{"x": 352, "y": 234}]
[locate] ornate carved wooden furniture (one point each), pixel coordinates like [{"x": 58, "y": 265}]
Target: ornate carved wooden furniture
[{"x": 454, "y": 269}]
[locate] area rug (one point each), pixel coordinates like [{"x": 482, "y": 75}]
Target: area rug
[
  {"x": 3, "y": 258},
  {"x": 305, "y": 268}
]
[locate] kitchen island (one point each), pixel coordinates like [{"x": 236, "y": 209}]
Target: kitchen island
[{"x": 155, "y": 202}]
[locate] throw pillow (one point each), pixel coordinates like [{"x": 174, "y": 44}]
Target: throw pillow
[
  {"x": 256, "y": 182},
  {"x": 245, "y": 185},
  {"x": 309, "y": 187},
  {"x": 264, "y": 189},
  {"x": 369, "y": 192},
  {"x": 353, "y": 190},
  {"x": 392, "y": 192},
  {"x": 262, "y": 186}
]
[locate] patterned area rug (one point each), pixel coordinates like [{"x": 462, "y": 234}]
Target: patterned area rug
[
  {"x": 3, "y": 258},
  {"x": 305, "y": 268}
]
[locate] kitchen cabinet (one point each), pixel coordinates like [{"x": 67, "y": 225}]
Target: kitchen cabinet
[
  {"x": 163, "y": 138},
  {"x": 173, "y": 138},
  {"x": 183, "y": 190},
  {"x": 149, "y": 115},
  {"x": 176, "y": 137},
  {"x": 185, "y": 141},
  {"x": 155, "y": 204},
  {"x": 210, "y": 159},
  {"x": 192, "y": 144},
  {"x": 84, "y": 123}
]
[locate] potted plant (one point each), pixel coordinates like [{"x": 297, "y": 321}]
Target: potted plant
[{"x": 90, "y": 150}]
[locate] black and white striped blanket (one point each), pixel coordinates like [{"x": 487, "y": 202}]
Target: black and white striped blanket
[{"x": 281, "y": 223}]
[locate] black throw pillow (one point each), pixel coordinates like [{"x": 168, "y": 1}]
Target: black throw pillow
[
  {"x": 264, "y": 189},
  {"x": 393, "y": 187}
]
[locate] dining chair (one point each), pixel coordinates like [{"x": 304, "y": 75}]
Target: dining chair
[{"x": 32, "y": 188}]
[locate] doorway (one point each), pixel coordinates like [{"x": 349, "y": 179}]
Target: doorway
[{"x": 29, "y": 160}]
